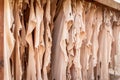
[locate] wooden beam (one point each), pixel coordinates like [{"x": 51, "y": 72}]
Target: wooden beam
[
  {"x": 109, "y": 3},
  {"x": 1, "y": 40}
]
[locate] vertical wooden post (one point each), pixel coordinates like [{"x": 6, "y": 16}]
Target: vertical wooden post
[{"x": 1, "y": 39}]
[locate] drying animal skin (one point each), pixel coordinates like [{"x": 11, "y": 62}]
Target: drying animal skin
[
  {"x": 31, "y": 69},
  {"x": 39, "y": 18},
  {"x": 60, "y": 54},
  {"x": 94, "y": 40},
  {"x": 39, "y": 48},
  {"x": 105, "y": 47},
  {"x": 18, "y": 26},
  {"x": 9, "y": 40},
  {"x": 115, "y": 71},
  {"x": 78, "y": 33},
  {"x": 89, "y": 19},
  {"x": 52, "y": 12},
  {"x": 96, "y": 29},
  {"x": 48, "y": 42},
  {"x": 60, "y": 40},
  {"x": 95, "y": 45},
  {"x": 117, "y": 63}
]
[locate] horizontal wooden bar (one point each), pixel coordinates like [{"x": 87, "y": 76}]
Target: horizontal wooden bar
[{"x": 109, "y": 3}]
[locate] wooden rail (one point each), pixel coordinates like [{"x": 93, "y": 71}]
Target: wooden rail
[{"x": 109, "y": 3}]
